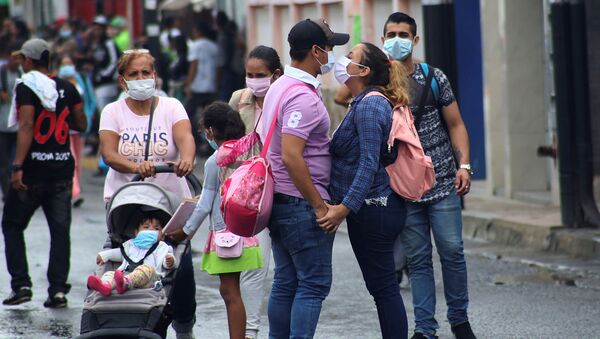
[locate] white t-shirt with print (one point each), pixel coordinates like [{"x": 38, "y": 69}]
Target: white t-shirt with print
[{"x": 132, "y": 130}]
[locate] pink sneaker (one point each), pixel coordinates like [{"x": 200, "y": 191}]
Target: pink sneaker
[
  {"x": 95, "y": 283},
  {"x": 120, "y": 283}
]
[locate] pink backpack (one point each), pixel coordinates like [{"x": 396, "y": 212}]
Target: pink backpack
[
  {"x": 412, "y": 174},
  {"x": 247, "y": 195}
]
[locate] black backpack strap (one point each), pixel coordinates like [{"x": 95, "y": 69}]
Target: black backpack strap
[
  {"x": 132, "y": 264},
  {"x": 424, "y": 94},
  {"x": 149, "y": 129}
]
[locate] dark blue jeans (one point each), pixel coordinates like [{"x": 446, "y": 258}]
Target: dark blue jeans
[
  {"x": 302, "y": 254},
  {"x": 183, "y": 298},
  {"x": 55, "y": 199},
  {"x": 442, "y": 218},
  {"x": 373, "y": 231}
]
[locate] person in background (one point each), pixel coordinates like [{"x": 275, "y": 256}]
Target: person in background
[
  {"x": 65, "y": 43},
  {"x": 226, "y": 42},
  {"x": 179, "y": 66},
  {"x": 201, "y": 82},
  {"x": 42, "y": 173},
  {"x": 9, "y": 73},
  {"x": 105, "y": 55},
  {"x": 68, "y": 72},
  {"x": 262, "y": 69},
  {"x": 119, "y": 33},
  {"x": 445, "y": 139}
]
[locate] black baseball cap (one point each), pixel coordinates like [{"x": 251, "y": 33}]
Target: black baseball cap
[{"x": 311, "y": 32}]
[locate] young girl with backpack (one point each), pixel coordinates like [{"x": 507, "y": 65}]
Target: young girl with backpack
[{"x": 225, "y": 254}]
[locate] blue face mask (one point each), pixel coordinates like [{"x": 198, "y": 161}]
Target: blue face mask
[
  {"x": 398, "y": 48},
  {"x": 65, "y": 33},
  {"x": 67, "y": 71},
  {"x": 145, "y": 239},
  {"x": 213, "y": 144}
]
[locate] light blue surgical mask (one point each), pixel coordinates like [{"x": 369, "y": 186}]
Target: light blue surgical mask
[
  {"x": 145, "y": 239},
  {"x": 326, "y": 68},
  {"x": 213, "y": 144},
  {"x": 398, "y": 48},
  {"x": 65, "y": 34},
  {"x": 67, "y": 71}
]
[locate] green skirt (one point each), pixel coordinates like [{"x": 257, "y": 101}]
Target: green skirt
[{"x": 250, "y": 259}]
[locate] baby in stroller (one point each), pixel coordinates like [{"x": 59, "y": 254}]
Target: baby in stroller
[{"x": 145, "y": 259}]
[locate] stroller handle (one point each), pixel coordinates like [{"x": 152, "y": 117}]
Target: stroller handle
[{"x": 191, "y": 178}]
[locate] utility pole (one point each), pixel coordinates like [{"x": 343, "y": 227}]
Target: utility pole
[{"x": 578, "y": 207}]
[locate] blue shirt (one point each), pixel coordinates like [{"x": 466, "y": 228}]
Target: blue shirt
[{"x": 359, "y": 152}]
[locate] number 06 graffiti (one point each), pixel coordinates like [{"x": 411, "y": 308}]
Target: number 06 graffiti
[{"x": 59, "y": 127}]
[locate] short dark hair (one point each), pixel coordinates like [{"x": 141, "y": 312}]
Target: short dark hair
[
  {"x": 400, "y": 17},
  {"x": 44, "y": 60},
  {"x": 225, "y": 122},
  {"x": 298, "y": 54},
  {"x": 149, "y": 216},
  {"x": 268, "y": 55},
  {"x": 204, "y": 28}
]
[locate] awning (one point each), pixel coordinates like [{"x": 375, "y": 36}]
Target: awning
[{"x": 175, "y": 5}]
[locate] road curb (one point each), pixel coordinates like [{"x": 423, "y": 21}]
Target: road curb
[{"x": 578, "y": 243}]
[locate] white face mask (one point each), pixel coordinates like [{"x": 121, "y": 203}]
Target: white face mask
[
  {"x": 326, "y": 68},
  {"x": 341, "y": 69},
  {"x": 141, "y": 90}
]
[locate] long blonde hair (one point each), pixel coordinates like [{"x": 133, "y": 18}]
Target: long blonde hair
[{"x": 389, "y": 74}]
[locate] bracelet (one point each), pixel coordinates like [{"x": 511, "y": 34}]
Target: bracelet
[{"x": 17, "y": 167}]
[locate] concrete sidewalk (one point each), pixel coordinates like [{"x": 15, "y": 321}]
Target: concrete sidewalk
[{"x": 526, "y": 225}]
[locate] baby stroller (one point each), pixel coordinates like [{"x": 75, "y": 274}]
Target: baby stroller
[{"x": 139, "y": 313}]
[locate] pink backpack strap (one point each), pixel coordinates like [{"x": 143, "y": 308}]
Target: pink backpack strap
[
  {"x": 263, "y": 153},
  {"x": 377, "y": 93}
]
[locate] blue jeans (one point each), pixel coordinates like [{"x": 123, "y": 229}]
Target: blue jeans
[
  {"x": 302, "y": 253},
  {"x": 373, "y": 231},
  {"x": 55, "y": 199},
  {"x": 442, "y": 218}
]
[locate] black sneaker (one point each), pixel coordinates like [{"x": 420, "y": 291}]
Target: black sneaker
[
  {"x": 463, "y": 331},
  {"x": 24, "y": 294},
  {"x": 58, "y": 300},
  {"x": 419, "y": 335}
]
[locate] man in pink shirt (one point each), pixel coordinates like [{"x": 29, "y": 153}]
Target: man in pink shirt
[{"x": 300, "y": 159}]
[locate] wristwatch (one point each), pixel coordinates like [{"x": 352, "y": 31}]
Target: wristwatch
[
  {"x": 467, "y": 167},
  {"x": 17, "y": 167}
]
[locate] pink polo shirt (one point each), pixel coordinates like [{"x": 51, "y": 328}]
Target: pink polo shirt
[{"x": 302, "y": 114}]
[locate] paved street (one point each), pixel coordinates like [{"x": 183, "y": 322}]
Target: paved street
[{"x": 514, "y": 294}]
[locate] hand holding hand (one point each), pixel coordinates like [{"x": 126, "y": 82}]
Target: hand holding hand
[{"x": 333, "y": 218}]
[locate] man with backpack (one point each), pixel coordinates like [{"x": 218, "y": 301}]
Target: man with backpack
[{"x": 444, "y": 138}]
